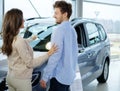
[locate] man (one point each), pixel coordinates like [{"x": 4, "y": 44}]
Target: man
[{"x": 61, "y": 67}]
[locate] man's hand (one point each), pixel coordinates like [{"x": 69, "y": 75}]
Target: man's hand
[{"x": 43, "y": 84}]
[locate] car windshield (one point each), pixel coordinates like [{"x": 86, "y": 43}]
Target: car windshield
[
  {"x": 40, "y": 44},
  {"x": 42, "y": 28}
]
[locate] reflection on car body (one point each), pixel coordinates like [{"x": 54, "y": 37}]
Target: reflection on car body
[{"x": 93, "y": 44}]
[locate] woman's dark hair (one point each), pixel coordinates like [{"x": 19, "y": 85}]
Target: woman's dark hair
[
  {"x": 64, "y": 7},
  {"x": 11, "y": 24}
]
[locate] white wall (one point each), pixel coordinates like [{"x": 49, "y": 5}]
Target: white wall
[{"x": 44, "y": 7}]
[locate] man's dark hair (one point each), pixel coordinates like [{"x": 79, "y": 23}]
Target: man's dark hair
[{"x": 64, "y": 7}]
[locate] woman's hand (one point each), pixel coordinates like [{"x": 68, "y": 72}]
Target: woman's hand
[
  {"x": 52, "y": 50},
  {"x": 34, "y": 37}
]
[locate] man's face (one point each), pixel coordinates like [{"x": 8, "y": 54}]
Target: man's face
[{"x": 58, "y": 15}]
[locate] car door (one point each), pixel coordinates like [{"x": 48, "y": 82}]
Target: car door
[
  {"x": 83, "y": 55},
  {"x": 88, "y": 44},
  {"x": 93, "y": 48}
]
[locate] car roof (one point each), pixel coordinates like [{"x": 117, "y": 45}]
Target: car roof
[{"x": 82, "y": 20}]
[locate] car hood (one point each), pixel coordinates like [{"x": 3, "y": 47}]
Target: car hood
[{"x": 38, "y": 53}]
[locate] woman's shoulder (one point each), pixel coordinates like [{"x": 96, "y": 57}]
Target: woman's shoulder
[{"x": 18, "y": 40}]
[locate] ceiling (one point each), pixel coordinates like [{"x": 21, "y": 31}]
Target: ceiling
[{"x": 109, "y": 2}]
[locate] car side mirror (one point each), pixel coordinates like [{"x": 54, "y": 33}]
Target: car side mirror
[{"x": 80, "y": 48}]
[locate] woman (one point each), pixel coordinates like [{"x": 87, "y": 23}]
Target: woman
[{"x": 19, "y": 53}]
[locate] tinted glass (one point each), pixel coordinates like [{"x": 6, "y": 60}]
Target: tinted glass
[
  {"x": 43, "y": 39},
  {"x": 93, "y": 34},
  {"x": 102, "y": 32}
]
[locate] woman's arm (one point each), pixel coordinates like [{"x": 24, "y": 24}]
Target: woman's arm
[
  {"x": 26, "y": 54},
  {"x": 31, "y": 38}
]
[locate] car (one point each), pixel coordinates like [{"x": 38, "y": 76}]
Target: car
[{"x": 93, "y": 48}]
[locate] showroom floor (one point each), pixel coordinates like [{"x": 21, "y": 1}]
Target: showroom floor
[{"x": 113, "y": 83}]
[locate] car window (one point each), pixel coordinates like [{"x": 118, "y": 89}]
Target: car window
[
  {"x": 93, "y": 34},
  {"x": 81, "y": 38},
  {"x": 101, "y": 31}
]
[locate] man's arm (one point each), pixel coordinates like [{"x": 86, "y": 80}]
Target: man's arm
[{"x": 57, "y": 38}]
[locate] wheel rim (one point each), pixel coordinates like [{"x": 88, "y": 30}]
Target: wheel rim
[{"x": 106, "y": 70}]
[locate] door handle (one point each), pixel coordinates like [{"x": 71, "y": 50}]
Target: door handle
[{"x": 91, "y": 54}]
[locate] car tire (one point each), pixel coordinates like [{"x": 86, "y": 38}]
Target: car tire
[
  {"x": 3, "y": 85},
  {"x": 104, "y": 76}
]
